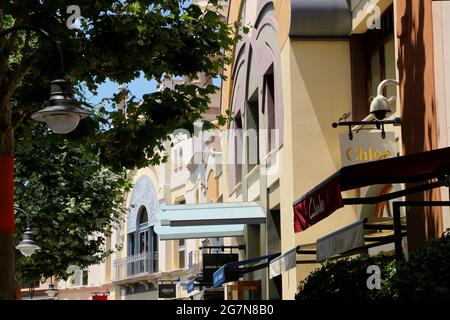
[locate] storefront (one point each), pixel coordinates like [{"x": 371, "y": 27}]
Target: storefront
[
  {"x": 229, "y": 275},
  {"x": 426, "y": 170},
  {"x": 214, "y": 220}
]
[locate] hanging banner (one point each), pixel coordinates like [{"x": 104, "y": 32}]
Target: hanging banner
[
  {"x": 317, "y": 204},
  {"x": 283, "y": 263},
  {"x": 340, "y": 241},
  {"x": 366, "y": 147},
  {"x": 219, "y": 277},
  {"x": 190, "y": 286},
  {"x": 7, "y": 194}
]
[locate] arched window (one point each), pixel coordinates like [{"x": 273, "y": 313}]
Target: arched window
[
  {"x": 143, "y": 217},
  {"x": 142, "y": 231},
  {"x": 142, "y": 244}
]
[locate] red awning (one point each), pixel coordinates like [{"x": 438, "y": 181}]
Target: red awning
[{"x": 326, "y": 198}]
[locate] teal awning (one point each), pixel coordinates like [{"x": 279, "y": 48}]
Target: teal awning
[
  {"x": 211, "y": 214},
  {"x": 199, "y": 232}
]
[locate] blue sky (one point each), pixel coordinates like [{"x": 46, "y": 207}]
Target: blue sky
[{"x": 137, "y": 87}]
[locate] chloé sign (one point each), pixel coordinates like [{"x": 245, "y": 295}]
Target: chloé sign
[{"x": 367, "y": 146}]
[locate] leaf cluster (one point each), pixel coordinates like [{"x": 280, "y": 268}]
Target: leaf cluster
[
  {"x": 423, "y": 276},
  {"x": 346, "y": 279},
  {"x": 118, "y": 41},
  {"x": 73, "y": 202}
]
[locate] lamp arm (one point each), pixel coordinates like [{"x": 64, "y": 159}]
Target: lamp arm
[
  {"x": 26, "y": 214},
  {"x": 42, "y": 32},
  {"x": 384, "y": 83}
]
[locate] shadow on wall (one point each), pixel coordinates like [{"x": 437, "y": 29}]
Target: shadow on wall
[{"x": 419, "y": 125}]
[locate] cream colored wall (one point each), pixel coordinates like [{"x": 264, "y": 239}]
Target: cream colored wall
[
  {"x": 96, "y": 275},
  {"x": 441, "y": 25},
  {"x": 152, "y": 295},
  {"x": 212, "y": 192},
  {"x": 316, "y": 91},
  {"x": 283, "y": 15},
  {"x": 170, "y": 251}
]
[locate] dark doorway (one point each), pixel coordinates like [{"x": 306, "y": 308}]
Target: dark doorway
[{"x": 274, "y": 246}]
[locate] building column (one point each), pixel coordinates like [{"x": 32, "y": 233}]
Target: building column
[{"x": 418, "y": 106}]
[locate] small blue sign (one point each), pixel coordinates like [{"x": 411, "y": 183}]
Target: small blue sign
[
  {"x": 219, "y": 277},
  {"x": 190, "y": 286}
]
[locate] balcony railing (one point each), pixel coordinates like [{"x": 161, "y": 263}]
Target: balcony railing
[{"x": 135, "y": 265}]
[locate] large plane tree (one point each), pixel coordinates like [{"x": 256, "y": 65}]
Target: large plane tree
[{"x": 117, "y": 40}]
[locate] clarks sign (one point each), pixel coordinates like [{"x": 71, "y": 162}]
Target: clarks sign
[{"x": 366, "y": 147}]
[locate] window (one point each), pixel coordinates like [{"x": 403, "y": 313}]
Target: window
[
  {"x": 238, "y": 148},
  {"x": 153, "y": 250},
  {"x": 144, "y": 242},
  {"x": 181, "y": 253},
  {"x": 85, "y": 277},
  {"x": 269, "y": 108},
  {"x": 190, "y": 260},
  {"x": 131, "y": 244},
  {"x": 180, "y": 159},
  {"x": 177, "y": 159},
  {"x": 252, "y": 134},
  {"x": 372, "y": 61},
  {"x": 143, "y": 217}
]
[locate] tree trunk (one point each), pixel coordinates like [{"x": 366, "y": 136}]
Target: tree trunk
[{"x": 7, "y": 250}]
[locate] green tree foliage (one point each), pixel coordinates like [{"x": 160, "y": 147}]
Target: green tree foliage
[
  {"x": 426, "y": 274},
  {"x": 118, "y": 40},
  {"x": 423, "y": 276},
  {"x": 61, "y": 180},
  {"x": 73, "y": 202},
  {"x": 346, "y": 279}
]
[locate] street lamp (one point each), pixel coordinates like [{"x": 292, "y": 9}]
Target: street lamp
[
  {"x": 51, "y": 291},
  {"x": 27, "y": 246},
  {"x": 61, "y": 112}
]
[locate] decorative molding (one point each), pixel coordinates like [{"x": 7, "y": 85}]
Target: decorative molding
[{"x": 143, "y": 194}]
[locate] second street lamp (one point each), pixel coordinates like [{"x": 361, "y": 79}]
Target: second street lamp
[
  {"x": 62, "y": 114},
  {"x": 51, "y": 291},
  {"x": 27, "y": 246}
]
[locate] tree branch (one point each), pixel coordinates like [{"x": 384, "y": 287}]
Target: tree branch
[
  {"x": 8, "y": 48},
  {"x": 23, "y": 113},
  {"x": 25, "y": 64}
]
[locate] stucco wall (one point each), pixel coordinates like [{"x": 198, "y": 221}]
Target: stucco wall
[
  {"x": 316, "y": 89},
  {"x": 441, "y": 25}
]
